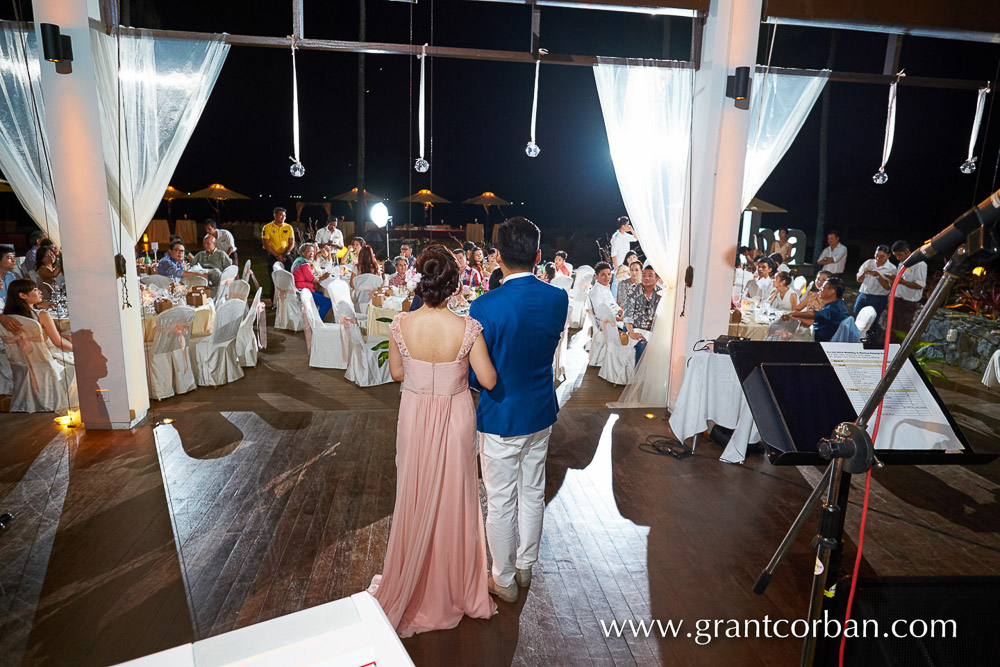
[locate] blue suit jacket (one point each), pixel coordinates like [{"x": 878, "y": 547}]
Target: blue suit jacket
[{"x": 522, "y": 322}]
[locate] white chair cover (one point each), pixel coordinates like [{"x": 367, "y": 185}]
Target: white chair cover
[
  {"x": 991, "y": 378},
  {"x": 799, "y": 285},
  {"x": 619, "y": 360},
  {"x": 864, "y": 320},
  {"x": 248, "y": 274},
  {"x": 584, "y": 275},
  {"x": 559, "y": 360},
  {"x": 168, "y": 357},
  {"x": 276, "y": 266},
  {"x": 329, "y": 344},
  {"x": 239, "y": 289},
  {"x": 364, "y": 285},
  {"x": 39, "y": 381},
  {"x": 6, "y": 375},
  {"x": 338, "y": 290},
  {"x": 195, "y": 281},
  {"x": 597, "y": 346},
  {"x": 566, "y": 282},
  {"x": 215, "y": 361},
  {"x": 362, "y": 367},
  {"x": 226, "y": 278},
  {"x": 847, "y": 332},
  {"x": 158, "y": 281},
  {"x": 247, "y": 342},
  {"x": 579, "y": 299},
  {"x": 288, "y": 310}
]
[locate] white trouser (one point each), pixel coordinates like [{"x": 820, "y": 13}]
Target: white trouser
[{"x": 514, "y": 476}]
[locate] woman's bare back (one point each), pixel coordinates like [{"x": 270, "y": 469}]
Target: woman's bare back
[{"x": 434, "y": 335}]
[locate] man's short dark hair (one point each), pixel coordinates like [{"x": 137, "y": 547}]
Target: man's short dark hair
[
  {"x": 4, "y": 249},
  {"x": 882, "y": 248},
  {"x": 35, "y": 236},
  {"x": 835, "y": 232},
  {"x": 600, "y": 266},
  {"x": 210, "y": 223},
  {"x": 900, "y": 246},
  {"x": 743, "y": 250},
  {"x": 458, "y": 251},
  {"x": 623, "y": 220},
  {"x": 562, "y": 253},
  {"x": 828, "y": 274},
  {"x": 279, "y": 208},
  {"x": 173, "y": 244},
  {"x": 517, "y": 241},
  {"x": 837, "y": 284}
]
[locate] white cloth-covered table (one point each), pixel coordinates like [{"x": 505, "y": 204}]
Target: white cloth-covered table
[
  {"x": 991, "y": 378},
  {"x": 711, "y": 392}
]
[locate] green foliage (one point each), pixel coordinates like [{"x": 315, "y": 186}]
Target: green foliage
[
  {"x": 383, "y": 356},
  {"x": 383, "y": 319},
  {"x": 920, "y": 354}
]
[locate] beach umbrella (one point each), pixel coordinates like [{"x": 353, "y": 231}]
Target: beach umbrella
[
  {"x": 427, "y": 198},
  {"x": 170, "y": 195},
  {"x": 761, "y": 206},
  {"x": 5, "y": 187},
  {"x": 487, "y": 199},
  {"x": 216, "y": 191}
]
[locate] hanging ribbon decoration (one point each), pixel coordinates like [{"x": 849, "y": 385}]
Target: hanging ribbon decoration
[
  {"x": 421, "y": 164},
  {"x": 532, "y": 149},
  {"x": 880, "y": 176},
  {"x": 296, "y": 169},
  {"x": 969, "y": 165}
]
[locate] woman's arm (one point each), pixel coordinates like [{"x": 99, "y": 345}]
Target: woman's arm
[
  {"x": 50, "y": 329},
  {"x": 479, "y": 358},
  {"x": 395, "y": 361},
  {"x": 794, "y": 298}
]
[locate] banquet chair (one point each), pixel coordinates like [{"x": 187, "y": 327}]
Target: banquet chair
[
  {"x": 619, "y": 359},
  {"x": 239, "y": 289},
  {"x": 6, "y": 374},
  {"x": 215, "y": 361},
  {"x": 247, "y": 342},
  {"x": 158, "y": 281},
  {"x": 579, "y": 299},
  {"x": 559, "y": 360},
  {"x": 288, "y": 313},
  {"x": 329, "y": 344},
  {"x": 597, "y": 345},
  {"x": 364, "y": 285},
  {"x": 847, "y": 332},
  {"x": 799, "y": 284},
  {"x": 248, "y": 274},
  {"x": 168, "y": 358},
  {"x": 39, "y": 383},
  {"x": 226, "y": 278},
  {"x": 195, "y": 281},
  {"x": 753, "y": 290},
  {"x": 864, "y": 320},
  {"x": 565, "y": 282},
  {"x": 362, "y": 366},
  {"x": 584, "y": 274},
  {"x": 338, "y": 290},
  {"x": 276, "y": 266}
]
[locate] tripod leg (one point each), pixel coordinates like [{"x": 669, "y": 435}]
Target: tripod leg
[{"x": 768, "y": 573}]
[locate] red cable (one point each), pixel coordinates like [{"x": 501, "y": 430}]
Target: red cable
[{"x": 868, "y": 475}]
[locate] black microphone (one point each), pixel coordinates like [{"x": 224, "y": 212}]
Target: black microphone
[{"x": 987, "y": 213}]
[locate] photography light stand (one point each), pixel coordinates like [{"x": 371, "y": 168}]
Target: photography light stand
[{"x": 851, "y": 450}]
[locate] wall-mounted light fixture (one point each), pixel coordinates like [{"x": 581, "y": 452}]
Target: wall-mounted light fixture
[
  {"x": 738, "y": 87},
  {"x": 56, "y": 47}
]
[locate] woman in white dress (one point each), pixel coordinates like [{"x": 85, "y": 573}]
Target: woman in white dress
[
  {"x": 783, "y": 297},
  {"x": 782, "y": 246},
  {"x": 22, "y": 297}
]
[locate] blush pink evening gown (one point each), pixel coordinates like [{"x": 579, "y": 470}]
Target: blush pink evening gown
[{"x": 435, "y": 564}]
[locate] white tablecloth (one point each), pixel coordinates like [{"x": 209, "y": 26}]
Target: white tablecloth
[{"x": 712, "y": 391}]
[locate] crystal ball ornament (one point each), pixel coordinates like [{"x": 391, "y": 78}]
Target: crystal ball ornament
[
  {"x": 421, "y": 165},
  {"x": 968, "y": 166},
  {"x": 297, "y": 170},
  {"x": 532, "y": 149},
  {"x": 880, "y": 177}
]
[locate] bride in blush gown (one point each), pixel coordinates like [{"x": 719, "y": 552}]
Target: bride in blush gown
[{"x": 435, "y": 565}]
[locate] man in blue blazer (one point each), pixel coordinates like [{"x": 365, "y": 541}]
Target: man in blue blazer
[{"x": 522, "y": 320}]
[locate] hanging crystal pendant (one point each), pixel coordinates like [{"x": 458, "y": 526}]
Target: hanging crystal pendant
[
  {"x": 532, "y": 149},
  {"x": 880, "y": 177},
  {"x": 297, "y": 170},
  {"x": 968, "y": 166},
  {"x": 421, "y": 165}
]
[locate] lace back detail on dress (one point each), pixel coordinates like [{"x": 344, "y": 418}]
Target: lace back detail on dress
[
  {"x": 472, "y": 330},
  {"x": 397, "y": 335}
]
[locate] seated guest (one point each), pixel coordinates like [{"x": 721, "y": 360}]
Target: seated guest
[
  {"x": 224, "y": 240},
  {"x": 353, "y": 251},
  {"x": 624, "y": 271},
  {"x": 326, "y": 260},
  {"x": 48, "y": 268},
  {"x": 600, "y": 293},
  {"x": 783, "y": 297},
  {"x": 8, "y": 262},
  {"x": 31, "y": 257},
  {"x": 366, "y": 263},
  {"x": 491, "y": 264},
  {"x": 811, "y": 299},
  {"x": 827, "y": 318},
  {"x": 563, "y": 268},
  {"x": 550, "y": 272},
  {"x": 214, "y": 260},
  {"x": 406, "y": 252},
  {"x": 305, "y": 278},
  {"x": 22, "y": 298},
  {"x": 172, "y": 264},
  {"x": 496, "y": 278},
  {"x": 640, "y": 307},
  {"x": 633, "y": 279},
  {"x": 460, "y": 258},
  {"x": 779, "y": 262},
  {"x": 473, "y": 275},
  {"x": 399, "y": 278},
  {"x": 763, "y": 279}
]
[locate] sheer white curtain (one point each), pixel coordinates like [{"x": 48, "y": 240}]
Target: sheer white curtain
[
  {"x": 23, "y": 140},
  {"x": 647, "y": 113},
  {"x": 165, "y": 84},
  {"x": 779, "y": 105}
]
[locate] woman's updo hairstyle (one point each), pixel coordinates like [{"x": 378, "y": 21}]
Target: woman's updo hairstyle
[{"x": 438, "y": 275}]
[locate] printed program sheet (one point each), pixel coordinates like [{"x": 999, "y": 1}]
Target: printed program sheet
[{"x": 911, "y": 418}]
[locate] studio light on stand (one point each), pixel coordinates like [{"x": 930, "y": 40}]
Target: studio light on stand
[{"x": 380, "y": 216}]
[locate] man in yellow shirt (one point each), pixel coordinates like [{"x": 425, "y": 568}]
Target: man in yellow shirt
[{"x": 278, "y": 239}]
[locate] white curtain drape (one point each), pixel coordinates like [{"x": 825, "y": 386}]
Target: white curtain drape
[
  {"x": 647, "y": 113},
  {"x": 23, "y": 139},
  {"x": 165, "y": 84},
  {"x": 779, "y": 105}
]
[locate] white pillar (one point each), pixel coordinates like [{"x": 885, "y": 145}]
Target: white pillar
[
  {"x": 107, "y": 339},
  {"x": 720, "y": 139}
]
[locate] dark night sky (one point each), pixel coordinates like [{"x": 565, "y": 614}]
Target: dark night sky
[{"x": 481, "y": 115}]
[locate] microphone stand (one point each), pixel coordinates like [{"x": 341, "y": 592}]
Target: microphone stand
[{"x": 850, "y": 448}]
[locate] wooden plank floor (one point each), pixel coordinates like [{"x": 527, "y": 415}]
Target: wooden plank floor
[{"x": 275, "y": 494}]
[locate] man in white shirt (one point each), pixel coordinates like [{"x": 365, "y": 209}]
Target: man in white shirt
[
  {"x": 330, "y": 235},
  {"x": 224, "y": 240},
  {"x": 909, "y": 291},
  {"x": 876, "y": 276},
  {"x": 600, "y": 293},
  {"x": 406, "y": 252},
  {"x": 834, "y": 256},
  {"x": 621, "y": 243}
]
